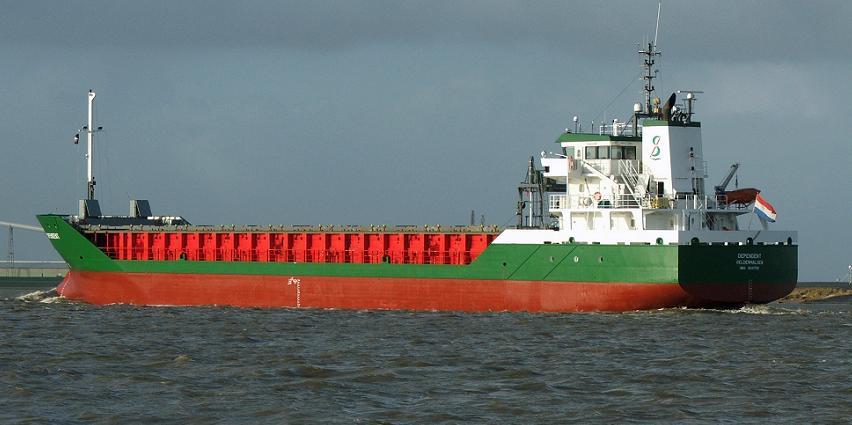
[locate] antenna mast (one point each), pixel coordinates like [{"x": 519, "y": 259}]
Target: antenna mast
[
  {"x": 650, "y": 52},
  {"x": 90, "y": 139}
]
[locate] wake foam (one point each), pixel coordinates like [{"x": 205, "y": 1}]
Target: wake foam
[{"x": 47, "y": 297}]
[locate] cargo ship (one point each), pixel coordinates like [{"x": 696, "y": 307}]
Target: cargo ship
[{"x": 617, "y": 219}]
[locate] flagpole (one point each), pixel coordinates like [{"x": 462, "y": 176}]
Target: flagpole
[{"x": 751, "y": 217}]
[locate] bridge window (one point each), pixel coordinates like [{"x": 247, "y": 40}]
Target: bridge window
[
  {"x": 623, "y": 152},
  {"x": 610, "y": 152}
]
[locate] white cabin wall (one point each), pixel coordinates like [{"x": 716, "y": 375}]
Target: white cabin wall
[
  {"x": 622, "y": 221},
  {"x": 555, "y": 168},
  {"x": 670, "y": 162},
  {"x": 659, "y": 222}
]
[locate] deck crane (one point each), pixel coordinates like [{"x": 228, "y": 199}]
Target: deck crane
[{"x": 720, "y": 188}]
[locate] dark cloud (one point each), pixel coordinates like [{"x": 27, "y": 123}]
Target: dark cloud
[{"x": 775, "y": 29}]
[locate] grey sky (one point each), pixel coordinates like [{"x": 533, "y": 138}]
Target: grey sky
[{"x": 407, "y": 112}]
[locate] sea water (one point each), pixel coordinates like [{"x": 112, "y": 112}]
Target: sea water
[{"x": 67, "y": 362}]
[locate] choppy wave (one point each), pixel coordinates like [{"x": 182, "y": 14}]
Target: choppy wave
[
  {"x": 766, "y": 309},
  {"x": 71, "y": 362}
]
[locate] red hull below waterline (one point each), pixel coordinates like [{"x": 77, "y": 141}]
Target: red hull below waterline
[{"x": 368, "y": 293}]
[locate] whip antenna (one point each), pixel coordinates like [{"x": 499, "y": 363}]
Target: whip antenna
[{"x": 657, "y": 29}]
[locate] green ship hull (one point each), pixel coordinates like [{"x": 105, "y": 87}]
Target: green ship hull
[{"x": 700, "y": 275}]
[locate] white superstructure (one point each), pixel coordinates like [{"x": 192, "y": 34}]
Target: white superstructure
[{"x": 640, "y": 180}]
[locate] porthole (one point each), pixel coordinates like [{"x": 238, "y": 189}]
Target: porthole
[
  {"x": 789, "y": 241},
  {"x": 659, "y": 241},
  {"x": 571, "y": 239},
  {"x": 576, "y": 259},
  {"x": 504, "y": 264},
  {"x": 600, "y": 259},
  {"x": 749, "y": 241},
  {"x": 552, "y": 259}
]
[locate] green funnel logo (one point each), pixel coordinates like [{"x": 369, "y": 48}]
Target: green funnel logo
[{"x": 655, "y": 152}]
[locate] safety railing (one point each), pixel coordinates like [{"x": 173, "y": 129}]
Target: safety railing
[
  {"x": 723, "y": 203},
  {"x": 619, "y": 129},
  {"x": 592, "y": 201},
  {"x": 604, "y": 166},
  {"x": 704, "y": 202},
  {"x": 596, "y": 201},
  {"x": 614, "y": 166}
]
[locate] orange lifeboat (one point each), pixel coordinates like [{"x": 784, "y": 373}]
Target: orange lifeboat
[{"x": 741, "y": 196}]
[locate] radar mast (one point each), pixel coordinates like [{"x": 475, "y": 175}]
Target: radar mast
[{"x": 649, "y": 53}]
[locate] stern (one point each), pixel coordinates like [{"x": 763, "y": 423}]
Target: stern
[{"x": 738, "y": 274}]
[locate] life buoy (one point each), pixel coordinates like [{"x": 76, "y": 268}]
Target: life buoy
[{"x": 597, "y": 196}]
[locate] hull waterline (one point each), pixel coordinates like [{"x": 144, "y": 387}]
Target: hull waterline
[{"x": 370, "y": 293}]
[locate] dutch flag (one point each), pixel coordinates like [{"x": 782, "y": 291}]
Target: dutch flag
[{"x": 764, "y": 209}]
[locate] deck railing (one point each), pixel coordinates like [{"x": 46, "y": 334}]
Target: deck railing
[{"x": 689, "y": 202}]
